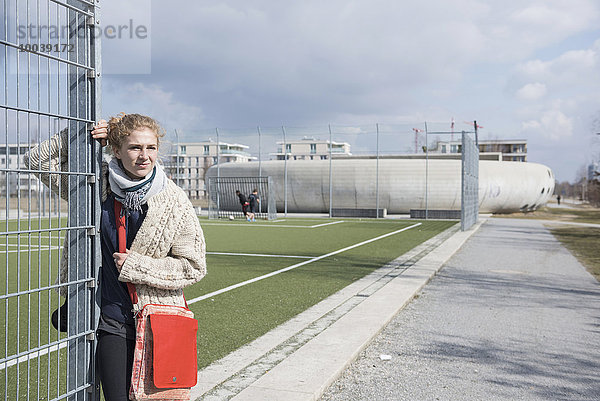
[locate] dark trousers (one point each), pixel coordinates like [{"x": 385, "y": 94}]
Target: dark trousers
[{"x": 114, "y": 358}]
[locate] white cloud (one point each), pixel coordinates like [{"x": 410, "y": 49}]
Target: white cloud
[
  {"x": 242, "y": 63},
  {"x": 154, "y": 101},
  {"x": 532, "y": 91},
  {"x": 552, "y": 124}
]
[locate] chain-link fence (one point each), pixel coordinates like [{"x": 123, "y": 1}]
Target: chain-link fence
[
  {"x": 470, "y": 182},
  {"x": 363, "y": 170},
  {"x": 50, "y": 62}
]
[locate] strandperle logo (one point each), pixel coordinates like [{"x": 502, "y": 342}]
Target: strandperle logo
[{"x": 53, "y": 32}]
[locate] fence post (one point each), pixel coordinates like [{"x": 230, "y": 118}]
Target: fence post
[
  {"x": 284, "y": 172},
  {"x": 96, "y": 159},
  {"x": 377, "y": 176},
  {"x": 259, "y": 153},
  {"x": 259, "y": 162},
  {"x": 330, "y": 175},
  {"x": 79, "y": 313},
  {"x": 426, "y": 173}
]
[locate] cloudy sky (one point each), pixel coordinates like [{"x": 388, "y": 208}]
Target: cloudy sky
[{"x": 523, "y": 69}]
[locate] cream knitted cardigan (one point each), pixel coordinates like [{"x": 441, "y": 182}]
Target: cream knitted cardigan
[{"x": 168, "y": 252}]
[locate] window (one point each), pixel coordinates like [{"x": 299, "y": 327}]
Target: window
[
  {"x": 323, "y": 157},
  {"x": 288, "y": 148},
  {"x": 443, "y": 148},
  {"x": 206, "y": 149},
  {"x": 182, "y": 149},
  {"x": 313, "y": 148},
  {"x": 453, "y": 148}
]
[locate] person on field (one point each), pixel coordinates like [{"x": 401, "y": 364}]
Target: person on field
[
  {"x": 253, "y": 201},
  {"x": 165, "y": 243},
  {"x": 244, "y": 203}
]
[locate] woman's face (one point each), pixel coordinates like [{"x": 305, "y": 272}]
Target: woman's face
[{"x": 138, "y": 152}]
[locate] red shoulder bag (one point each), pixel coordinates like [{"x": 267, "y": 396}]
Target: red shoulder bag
[{"x": 165, "y": 360}]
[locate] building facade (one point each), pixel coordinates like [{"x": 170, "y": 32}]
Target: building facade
[
  {"x": 309, "y": 148},
  {"x": 186, "y": 163},
  {"x": 13, "y": 181},
  {"x": 404, "y": 184},
  {"x": 509, "y": 149}
]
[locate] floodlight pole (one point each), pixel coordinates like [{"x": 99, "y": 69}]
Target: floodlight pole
[
  {"x": 377, "y": 175},
  {"x": 218, "y": 170},
  {"x": 284, "y": 173},
  {"x": 330, "y": 175},
  {"x": 259, "y": 158},
  {"x": 218, "y": 154},
  {"x": 259, "y": 164},
  {"x": 177, "y": 162},
  {"x": 476, "y": 136},
  {"x": 426, "y": 172}
]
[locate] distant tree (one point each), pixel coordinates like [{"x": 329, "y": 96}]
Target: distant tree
[{"x": 594, "y": 192}]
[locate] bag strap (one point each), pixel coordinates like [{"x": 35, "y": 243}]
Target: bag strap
[{"x": 122, "y": 243}]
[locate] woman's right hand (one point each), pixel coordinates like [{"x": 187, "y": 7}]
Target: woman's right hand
[{"x": 100, "y": 132}]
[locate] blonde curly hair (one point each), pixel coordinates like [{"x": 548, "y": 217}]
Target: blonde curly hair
[{"x": 122, "y": 125}]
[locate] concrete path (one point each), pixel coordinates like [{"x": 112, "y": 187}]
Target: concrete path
[{"x": 512, "y": 316}]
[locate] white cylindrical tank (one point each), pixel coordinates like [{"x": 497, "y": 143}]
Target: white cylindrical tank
[{"x": 404, "y": 184}]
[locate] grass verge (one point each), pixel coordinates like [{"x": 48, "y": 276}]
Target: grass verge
[
  {"x": 582, "y": 242},
  {"x": 579, "y": 215}
]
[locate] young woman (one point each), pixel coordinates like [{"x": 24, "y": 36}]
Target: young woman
[{"x": 165, "y": 244}]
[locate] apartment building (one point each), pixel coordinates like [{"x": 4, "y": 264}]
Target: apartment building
[
  {"x": 309, "y": 148},
  {"x": 509, "y": 149},
  {"x": 187, "y": 163},
  {"x": 12, "y": 181}
]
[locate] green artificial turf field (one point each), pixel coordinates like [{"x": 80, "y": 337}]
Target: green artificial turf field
[
  {"x": 236, "y": 317},
  {"x": 259, "y": 276}
]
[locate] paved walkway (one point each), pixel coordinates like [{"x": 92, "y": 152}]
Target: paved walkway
[{"x": 512, "y": 316}]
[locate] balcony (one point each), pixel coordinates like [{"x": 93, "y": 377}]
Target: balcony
[{"x": 233, "y": 152}]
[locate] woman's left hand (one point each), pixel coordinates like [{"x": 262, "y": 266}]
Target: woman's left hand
[{"x": 120, "y": 258}]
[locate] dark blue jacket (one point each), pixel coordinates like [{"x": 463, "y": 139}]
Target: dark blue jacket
[{"x": 115, "y": 302}]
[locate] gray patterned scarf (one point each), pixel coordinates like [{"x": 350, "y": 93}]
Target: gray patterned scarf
[{"x": 134, "y": 193}]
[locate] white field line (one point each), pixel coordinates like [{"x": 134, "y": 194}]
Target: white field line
[
  {"x": 24, "y": 237},
  {"x": 243, "y": 283},
  {"x": 32, "y": 249},
  {"x": 33, "y": 355},
  {"x": 259, "y": 254},
  {"x": 25, "y": 245},
  {"x": 327, "y": 224},
  {"x": 254, "y": 225},
  {"x": 270, "y": 225}
]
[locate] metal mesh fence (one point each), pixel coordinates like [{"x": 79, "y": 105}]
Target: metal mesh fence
[
  {"x": 470, "y": 182},
  {"x": 390, "y": 168},
  {"x": 49, "y": 60},
  {"x": 224, "y": 202}
]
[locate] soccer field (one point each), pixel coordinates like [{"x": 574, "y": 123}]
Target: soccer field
[
  {"x": 284, "y": 267},
  {"x": 260, "y": 275}
]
